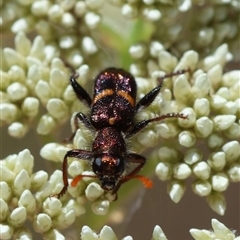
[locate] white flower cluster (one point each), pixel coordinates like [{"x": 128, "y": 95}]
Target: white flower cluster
[
  {"x": 107, "y": 233},
  {"x": 207, "y": 143},
  {"x": 213, "y": 24},
  {"x": 25, "y": 195},
  {"x": 64, "y": 25},
  {"x": 28, "y": 82},
  {"x": 220, "y": 232}
]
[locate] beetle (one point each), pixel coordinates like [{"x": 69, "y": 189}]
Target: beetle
[{"x": 112, "y": 117}]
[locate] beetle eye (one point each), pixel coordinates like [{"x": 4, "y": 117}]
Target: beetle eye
[{"x": 97, "y": 165}]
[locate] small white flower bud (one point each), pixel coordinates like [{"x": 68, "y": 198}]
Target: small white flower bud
[
  {"x": 18, "y": 216},
  {"x": 57, "y": 108},
  {"x": 186, "y": 138},
  {"x": 166, "y": 154},
  {"x": 5, "y": 80},
  {"x": 55, "y": 12},
  {"x": 28, "y": 201},
  {"x": 232, "y": 150},
  {"x": 129, "y": 11},
  {"x": 22, "y": 43},
  {"x": 9, "y": 112},
  {"x": 220, "y": 182},
  {"x": 23, "y": 234},
  {"x": 54, "y": 152},
  {"x": 189, "y": 58},
  {"x": 166, "y": 61},
  {"x": 58, "y": 80},
  {"x": 234, "y": 172},
  {"x": 6, "y": 174},
  {"x": 52, "y": 206},
  {"x": 164, "y": 171},
  {"x": 4, "y": 211},
  {"x": 68, "y": 20},
  {"x": 217, "y": 161},
  {"x": 181, "y": 171},
  {"x": 69, "y": 217},
  {"x": 223, "y": 92},
  {"x": 203, "y": 127},
  {"x": 23, "y": 24},
  {"x": 89, "y": 46},
  {"x": 31, "y": 61},
  {"x": 40, "y": 8},
  {"x": 80, "y": 139},
  {"x": 199, "y": 234},
  {"x": 17, "y": 91},
  {"x": 217, "y": 203},
  {"x": 107, "y": 233},
  {"x": 230, "y": 78},
  {"x": 229, "y": 108},
  {"x": 215, "y": 75},
  {"x": 75, "y": 58},
  {"x": 223, "y": 122},
  {"x": 201, "y": 86},
  {"x": 100, "y": 207},
  {"x": 201, "y": 107},
  {"x": 93, "y": 191},
  {"x": 43, "y": 91},
  {"x": 233, "y": 132},
  {"x": 87, "y": 233},
  {"x": 5, "y": 190},
  {"x": 152, "y": 14},
  {"x": 37, "y": 49},
  {"x": 77, "y": 205},
  {"x": 24, "y": 161},
  {"x": 176, "y": 190},
  {"x": 221, "y": 231},
  {"x": 38, "y": 179},
  {"x": 184, "y": 6},
  {"x": 202, "y": 188},
  {"x": 56, "y": 183},
  {"x": 155, "y": 48},
  {"x": 30, "y": 106},
  {"x": 75, "y": 168},
  {"x": 137, "y": 51},
  {"x": 80, "y": 8},
  {"x": 167, "y": 130},
  {"x": 182, "y": 89},
  {"x": 17, "y": 130},
  {"x": 92, "y": 20},
  {"x": 202, "y": 170},
  {"x": 158, "y": 234},
  {"x": 6, "y": 231},
  {"x": 192, "y": 156},
  {"x": 148, "y": 138},
  {"x": 21, "y": 182},
  {"x": 53, "y": 234},
  {"x": 46, "y": 125},
  {"x": 127, "y": 238},
  {"x": 190, "y": 121},
  {"x": 217, "y": 101},
  {"x": 42, "y": 223},
  {"x": 215, "y": 141},
  {"x": 16, "y": 74},
  {"x": 67, "y": 41}
]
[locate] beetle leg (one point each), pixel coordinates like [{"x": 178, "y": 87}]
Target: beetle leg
[
  {"x": 149, "y": 97},
  {"x": 79, "y": 90},
  {"x": 134, "y": 158},
  {"x": 139, "y": 126},
  {"x": 76, "y": 153},
  {"x": 82, "y": 118}
]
